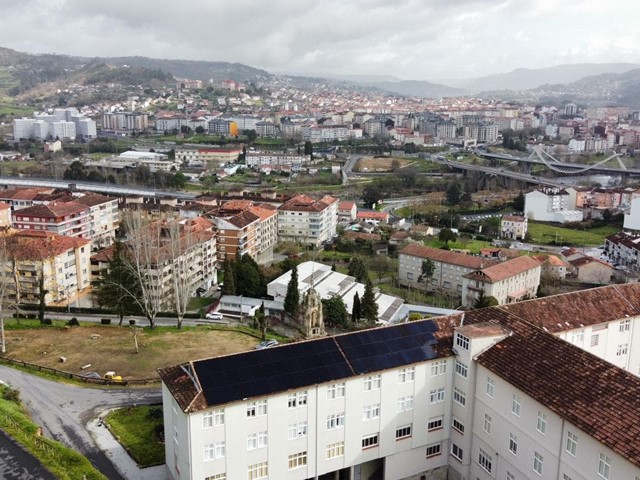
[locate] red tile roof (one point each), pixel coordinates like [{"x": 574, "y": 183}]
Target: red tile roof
[
  {"x": 40, "y": 245},
  {"x": 504, "y": 270},
  {"x": 51, "y": 210},
  {"x": 447, "y": 256}
]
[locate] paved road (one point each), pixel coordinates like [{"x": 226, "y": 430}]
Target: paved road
[
  {"x": 64, "y": 410},
  {"x": 18, "y": 464}
]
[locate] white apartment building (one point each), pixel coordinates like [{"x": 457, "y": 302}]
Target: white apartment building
[
  {"x": 449, "y": 269},
  {"x": 207, "y": 154},
  {"x": 514, "y": 226},
  {"x": 550, "y": 204},
  {"x": 64, "y": 124},
  {"x": 624, "y": 249},
  {"x": 255, "y": 159},
  {"x": 23, "y": 128},
  {"x": 64, "y": 218},
  {"x": 509, "y": 281},
  {"x": 104, "y": 219},
  {"x": 632, "y": 219},
  {"x": 485, "y": 394},
  {"x": 306, "y": 220}
]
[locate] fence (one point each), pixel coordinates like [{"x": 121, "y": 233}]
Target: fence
[{"x": 82, "y": 378}]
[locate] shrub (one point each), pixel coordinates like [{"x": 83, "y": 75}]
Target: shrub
[
  {"x": 12, "y": 395},
  {"x": 47, "y": 321},
  {"x": 105, "y": 321},
  {"x": 132, "y": 323},
  {"x": 73, "y": 322},
  {"x": 155, "y": 413}
]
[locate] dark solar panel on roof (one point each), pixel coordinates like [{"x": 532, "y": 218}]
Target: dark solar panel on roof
[
  {"x": 232, "y": 378},
  {"x": 384, "y": 348}
]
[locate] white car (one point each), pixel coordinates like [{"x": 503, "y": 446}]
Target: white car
[{"x": 213, "y": 316}]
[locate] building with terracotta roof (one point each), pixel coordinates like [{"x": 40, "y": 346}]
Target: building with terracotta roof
[
  {"x": 64, "y": 218},
  {"x": 238, "y": 234},
  {"x": 513, "y": 226},
  {"x": 623, "y": 248},
  {"x": 591, "y": 270},
  {"x": 63, "y": 261},
  {"x": 347, "y": 211},
  {"x": 19, "y": 198},
  {"x": 450, "y": 267},
  {"x": 507, "y": 282},
  {"x": 552, "y": 265},
  {"x": 372, "y": 216},
  {"x": 5, "y": 214},
  {"x": 306, "y": 220},
  {"x": 104, "y": 218},
  {"x": 494, "y": 393}
]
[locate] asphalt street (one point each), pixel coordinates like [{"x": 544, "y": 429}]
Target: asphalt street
[{"x": 63, "y": 411}]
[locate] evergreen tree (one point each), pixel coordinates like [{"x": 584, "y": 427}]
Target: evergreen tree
[
  {"x": 483, "y": 301},
  {"x": 262, "y": 321},
  {"x": 518, "y": 202},
  {"x": 369, "y": 308},
  {"x": 357, "y": 269},
  {"x": 292, "y": 298},
  {"x": 229, "y": 287},
  {"x": 453, "y": 194},
  {"x": 335, "y": 311},
  {"x": 42, "y": 295},
  {"x": 250, "y": 280},
  {"x": 356, "y": 310},
  {"x": 427, "y": 270}
]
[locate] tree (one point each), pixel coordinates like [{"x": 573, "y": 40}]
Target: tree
[
  {"x": 292, "y": 297},
  {"x": 357, "y": 269},
  {"x": 181, "y": 245},
  {"x": 251, "y": 135},
  {"x": 308, "y": 148},
  {"x": 483, "y": 301},
  {"x": 356, "y": 310},
  {"x": 178, "y": 180},
  {"x": 518, "y": 202},
  {"x": 453, "y": 194},
  {"x": 369, "y": 306},
  {"x": 250, "y": 280},
  {"x": 117, "y": 288},
  {"x": 381, "y": 265},
  {"x": 42, "y": 295},
  {"x": 7, "y": 284},
  {"x": 262, "y": 321},
  {"x": 427, "y": 269},
  {"x": 447, "y": 235},
  {"x": 371, "y": 194},
  {"x": 199, "y": 130},
  {"x": 76, "y": 171},
  {"x": 335, "y": 311},
  {"x": 229, "y": 287}
]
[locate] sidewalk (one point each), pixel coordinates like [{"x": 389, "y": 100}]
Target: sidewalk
[{"x": 118, "y": 455}]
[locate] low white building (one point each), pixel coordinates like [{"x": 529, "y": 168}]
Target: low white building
[
  {"x": 485, "y": 394},
  {"x": 632, "y": 219},
  {"x": 507, "y": 282},
  {"x": 307, "y": 220},
  {"x": 550, "y": 204},
  {"x": 329, "y": 284},
  {"x": 514, "y": 226}
]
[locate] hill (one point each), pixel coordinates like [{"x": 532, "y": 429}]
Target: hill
[{"x": 414, "y": 88}]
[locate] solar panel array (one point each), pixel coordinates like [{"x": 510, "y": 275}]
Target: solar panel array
[{"x": 298, "y": 365}]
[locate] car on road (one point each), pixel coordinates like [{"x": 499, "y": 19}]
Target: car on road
[
  {"x": 266, "y": 344},
  {"x": 213, "y": 316}
]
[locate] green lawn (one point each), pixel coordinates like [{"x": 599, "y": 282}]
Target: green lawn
[
  {"x": 140, "y": 430},
  {"x": 546, "y": 233},
  {"x": 472, "y": 245}
]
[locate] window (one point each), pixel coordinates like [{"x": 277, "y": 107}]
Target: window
[
  {"x": 257, "y": 471},
  {"x": 213, "y": 419},
  {"x": 462, "y": 341},
  {"x": 604, "y": 466},
  {"x": 459, "y": 396},
  {"x": 515, "y": 405},
  {"x": 335, "y": 421},
  {"x": 456, "y": 451},
  {"x": 623, "y": 349},
  {"x": 297, "y": 430},
  {"x": 220, "y": 450},
  {"x": 298, "y": 399},
  {"x": 406, "y": 374},
  {"x": 337, "y": 390},
  {"x": 541, "y": 425},
  {"x": 436, "y": 396},
  {"x": 438, "y": 368},
  {"x": 490, "y": 387},
  {"x": 256, "y": 440},
  {"x": 458, "y": 425},
  {"x": 487, "y": 424},
  {"x": 462, "y": 369},
  {"x": 335, "y": 450},
  {"x": 625, "y": 325},
  {"x": 297, "y": 460},
  {"x": 537, "y": 463},
  {"x": 484, "y": 459},
  {"x": 370, "y": 441},
  {"x": 213, "y": 451},
  {"x": 370, "y": 412},
  {"x": 403, "y": 432},
  {"x": 405, "y": 404},
  {"x": 572, "y": 444},
  {"x": 372, "y": 383},
  {"x": 594, "y": 340},
  {"x": 513, "y": 444},
  {"x": 219, "y": 476},
  {"x": 434, "y": 424},
  {"x": 433, "y": 450},
  {"x": 257, "y": 409}
]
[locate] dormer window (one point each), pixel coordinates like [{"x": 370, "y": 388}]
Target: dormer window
[{"x": 462, "y": 341}]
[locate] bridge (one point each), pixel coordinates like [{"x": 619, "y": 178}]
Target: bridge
[{"x": 539, "y": 156}]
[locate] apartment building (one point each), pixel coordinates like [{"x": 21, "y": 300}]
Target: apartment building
[
  {"x": 64, "y": 218},
  {"x": 514, "y": 226},
  {"x": 623, "y": 248},
  {"x": 465, "y": 396},
  {"x": 307, "y": 220},
  {"x": 509, "y": 281},
  {"x": 19, "y": 198},
  {"x": 550, "y": 204},
  {"x": 104, "y": 219},
  {"x": 450, "y": 267},
  {"x": 256, "y": 159},
  {"x": 125, "y": 121},
  {"x": 63, "y": 262},
  {"x": 207, "y": 155}
]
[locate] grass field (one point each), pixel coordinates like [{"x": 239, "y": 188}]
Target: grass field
[
  {"x": 8, "y": 108},
  {"x": 138, "y": 430},
  {"x": 545, "y": 233},
  {"x": 113, "y": 347},
  {"x": 473, "y": 246}
]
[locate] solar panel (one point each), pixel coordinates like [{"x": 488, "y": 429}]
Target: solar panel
[
  {"x": 384, "y": 348},
  {"x": 262, "y": 372}
]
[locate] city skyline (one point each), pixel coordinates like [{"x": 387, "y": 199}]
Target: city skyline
[{"x": 433, "y": 40}]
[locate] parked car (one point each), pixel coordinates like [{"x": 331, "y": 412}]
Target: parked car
[
  {"x": 213, "y": 316},
  {"x": 266, "y": 344}
]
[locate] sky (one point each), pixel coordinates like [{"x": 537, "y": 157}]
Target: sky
[{"x": 408, "y": 39}]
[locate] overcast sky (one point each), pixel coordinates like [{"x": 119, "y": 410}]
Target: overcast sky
[{"x": 410, "y": 39}]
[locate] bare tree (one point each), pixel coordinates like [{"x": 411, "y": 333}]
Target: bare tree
[
  {"x": 180, "y": 250},
  {"x": 8, "y": 282}
]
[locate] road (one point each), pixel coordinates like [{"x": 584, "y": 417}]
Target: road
[
  {"x": 18, "y": 464},
  {"x": 64, "y": 410}
]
